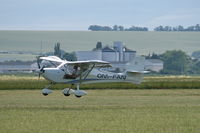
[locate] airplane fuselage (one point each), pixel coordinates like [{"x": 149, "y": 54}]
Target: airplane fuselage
[{"x": 56, "y": 75}]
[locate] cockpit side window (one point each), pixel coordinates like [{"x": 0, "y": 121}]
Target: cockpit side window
[
  {"x": 113, "y": 69},
  {"x": 71, "y": 71}
]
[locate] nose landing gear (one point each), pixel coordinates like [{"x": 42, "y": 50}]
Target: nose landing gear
[{"x": 47, "y": 91}]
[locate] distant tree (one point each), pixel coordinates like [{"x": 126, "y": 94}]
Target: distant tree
[
  {"x": 197, "y": 27},
  {"x": 121, "y": 28},
  {"x": 175, "y": 29},
  {"x": 145, "y": 29},
  {"x": 135, "y": 28},
  {"x": 180, "y": 28},
  {"x": 99, "y": 45},
  {"x": 175, "y": 62},
  {"x": 190, "y": 28},
  {"x": 115, "y": 28},
  {"x": 94, "y": 28},
  {"x": 106, "y": 28},
  {"x": 70, "y": 56},
  {"x": 155, "y": 56},
  {"x": 152, "y": 56},
  {"x": 167, "y": 28},
  {"x": 159, "y": 28},
  {"x": 57, "y": 50}
]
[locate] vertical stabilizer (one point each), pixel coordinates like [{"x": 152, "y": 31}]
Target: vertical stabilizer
[
  {"x": 135, "y": 69},
  {"x": 137, "y": 64}
]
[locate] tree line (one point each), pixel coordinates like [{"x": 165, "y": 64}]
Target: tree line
[
  {"x": 116, "y": 28},
  {"x": 178, "y": 28},
  {"x": 177, "y": 62},
  {"x": 136, "y": 28}
]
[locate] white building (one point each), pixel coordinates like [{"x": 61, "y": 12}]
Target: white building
[
  {"x": 153, "y": 64},
  {"x": 119, "y": 56},
  {"x": 117, "y": 53}
]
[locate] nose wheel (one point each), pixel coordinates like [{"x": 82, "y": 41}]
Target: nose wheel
[{"x": 46, "y": 91}]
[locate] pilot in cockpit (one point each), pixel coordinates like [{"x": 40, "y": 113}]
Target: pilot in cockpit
[{"x": 73, "y": 72}]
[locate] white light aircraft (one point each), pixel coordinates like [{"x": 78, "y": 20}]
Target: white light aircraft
[{"x": 57, "y": 70}]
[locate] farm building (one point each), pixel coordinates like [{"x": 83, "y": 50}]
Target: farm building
[
  {"x": 118, "y": 55},
  {"x": 115, "y": 54},
  {"x": 154, "y": 65}
]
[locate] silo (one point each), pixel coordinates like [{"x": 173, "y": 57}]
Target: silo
[{"x": 119, "y": 47}]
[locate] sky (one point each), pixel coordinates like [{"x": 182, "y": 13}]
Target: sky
[{"x": 79, "y": 14}]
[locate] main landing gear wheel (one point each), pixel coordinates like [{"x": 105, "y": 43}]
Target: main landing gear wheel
[
  {"x": 67, "y": 92},
  {"x": 78, "y": 96},
  {"x": 67, "y": 95},
  {"x": 45, "y": 94},
  {"x": 78, "y": 93}
]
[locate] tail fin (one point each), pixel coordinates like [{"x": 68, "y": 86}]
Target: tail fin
[
  {"x": 135, "y": 69},
  {"x": 136, "y": 65}
]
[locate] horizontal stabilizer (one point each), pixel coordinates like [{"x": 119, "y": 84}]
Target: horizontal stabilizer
[
  {"x": 137, "y": 72},
  {"x": 136, "y": 65}
]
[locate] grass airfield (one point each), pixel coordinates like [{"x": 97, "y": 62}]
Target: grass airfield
[
  {"x": 101, "y": 111},
  {"x": 159, "y": 105}
]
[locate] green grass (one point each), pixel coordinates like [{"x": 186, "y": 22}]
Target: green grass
[
  {"x": 10, "y": 82},
  {"x": 101, "y": 111}
]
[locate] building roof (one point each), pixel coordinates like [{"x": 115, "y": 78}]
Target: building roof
[
  {"x": 128, "y": 50},
  {"x": 155, "y": 60},
  {"x": 108, "y": 49}
]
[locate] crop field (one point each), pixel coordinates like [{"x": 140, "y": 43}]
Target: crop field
[
  {"x": 141, "y": 110},
  {"x": 31, "y": 82},
  {"x": 143, "y": 42}
]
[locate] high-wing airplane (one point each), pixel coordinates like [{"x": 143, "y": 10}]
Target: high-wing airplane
[{"x": 57, "y": 70}]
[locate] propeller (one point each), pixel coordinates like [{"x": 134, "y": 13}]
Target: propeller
[
  {"x": 40, "y": 69},
  {"x": 38, "y": 62}
]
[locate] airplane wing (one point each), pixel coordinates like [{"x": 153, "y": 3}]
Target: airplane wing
[
  {"x": 88, "y": 63},
  {"x": 53, "y": 59}
]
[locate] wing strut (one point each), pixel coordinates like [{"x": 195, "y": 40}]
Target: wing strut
[{"x": 89, "y": 71}]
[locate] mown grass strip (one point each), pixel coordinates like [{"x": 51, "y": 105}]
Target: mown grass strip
[{"x": 10, "y": 82}]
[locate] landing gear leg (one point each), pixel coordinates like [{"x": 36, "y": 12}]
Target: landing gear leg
[
  {"x": 79, "y": 93},
  {"x": 77, "y": 90},
  {"x": 68, "y": 91}
]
